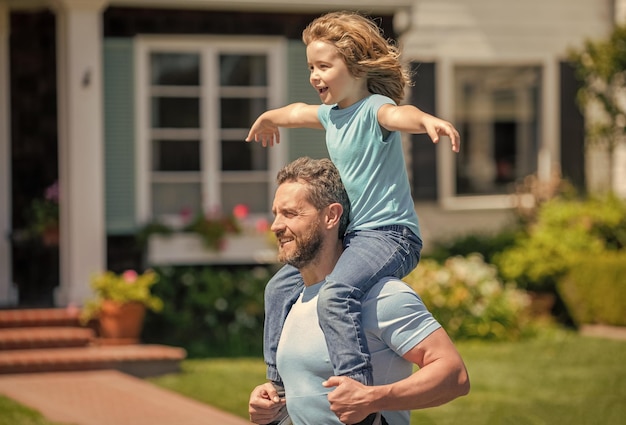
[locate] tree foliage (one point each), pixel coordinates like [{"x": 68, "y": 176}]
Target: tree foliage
[{"x": 601, "y": 67}]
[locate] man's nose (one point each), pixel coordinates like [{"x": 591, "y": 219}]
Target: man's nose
[{"x": 276, "y": 224}]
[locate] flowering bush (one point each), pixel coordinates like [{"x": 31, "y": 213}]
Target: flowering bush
[
  {"x": 123, "y": 288},
  {"x": 467, "y": 298},
  {"x": 43, "y": 214}
]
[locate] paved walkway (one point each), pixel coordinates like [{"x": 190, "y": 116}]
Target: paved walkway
[{"x": 108, "y": 398}]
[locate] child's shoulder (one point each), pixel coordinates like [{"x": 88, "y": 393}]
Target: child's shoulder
[{"x": 379, "y": 99}]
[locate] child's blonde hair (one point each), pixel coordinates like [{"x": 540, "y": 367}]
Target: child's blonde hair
[{"x": 364, "y": 50}]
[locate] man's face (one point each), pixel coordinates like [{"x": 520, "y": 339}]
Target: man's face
[{"x": 297, "y": 225}]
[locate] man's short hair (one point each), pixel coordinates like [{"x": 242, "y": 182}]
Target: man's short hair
[{"x": 324, "y": 184}]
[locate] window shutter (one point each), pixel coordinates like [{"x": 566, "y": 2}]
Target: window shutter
[
  {"x": 423, "y": 150},
  {"x": 572, "y": 128},
  {"x": 302, "y": 142},
  {"x": 119, "y": 138}
]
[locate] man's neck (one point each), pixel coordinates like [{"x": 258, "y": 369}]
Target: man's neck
[{"x": 324, "y": 263}]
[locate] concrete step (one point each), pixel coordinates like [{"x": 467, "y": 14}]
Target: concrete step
[
  {"x": 137, "y": 359},
  {"x": 45, "y": 337},
  {"x": 39, "y": 317}
]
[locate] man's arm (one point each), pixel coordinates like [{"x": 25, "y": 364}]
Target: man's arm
[
  {"x": 295, "y": 115},
  {"x": 409, "y": 119},
  {"x": 264, "y": 404},
  {"x": 441, "y": 377}
]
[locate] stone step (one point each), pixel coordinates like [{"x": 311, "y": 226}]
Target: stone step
[
  {"x": 137, "y": 359},
  {"x": 39, "y": 317},
  {"x": 45, "y": 337}
]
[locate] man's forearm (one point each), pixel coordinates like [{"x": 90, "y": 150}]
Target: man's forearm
[{"x": 436, "y": 384}]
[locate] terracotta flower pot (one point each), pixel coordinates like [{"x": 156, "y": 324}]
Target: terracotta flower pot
[
  {"x": 121, "y": 323},
  {"x": 50, "y": 236}
]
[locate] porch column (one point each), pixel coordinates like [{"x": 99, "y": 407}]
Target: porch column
[
  {"x": 81, "y": 160},
  {"x": 6, "y": 284}
]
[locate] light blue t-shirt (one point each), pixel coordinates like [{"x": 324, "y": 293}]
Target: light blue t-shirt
[
  {"x": 395, "y": 320},
  {"x": 372, "y": 168}
]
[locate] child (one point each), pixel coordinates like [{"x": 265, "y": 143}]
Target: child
[{"x": 360, "y": 81}]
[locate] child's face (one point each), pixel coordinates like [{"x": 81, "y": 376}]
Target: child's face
[{"x": 330, "y": 76}]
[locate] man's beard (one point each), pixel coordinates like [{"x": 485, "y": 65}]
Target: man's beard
[{"x": 307, "y": 248}]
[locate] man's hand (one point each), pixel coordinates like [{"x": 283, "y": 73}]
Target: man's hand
[
  {"x": 265, "y": 404},
  {"x": 350, "y": 400}
]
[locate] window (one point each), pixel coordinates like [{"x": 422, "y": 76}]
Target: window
[
  {"x": 497, "y": 113},
  {"x": 196, "y": 102}
]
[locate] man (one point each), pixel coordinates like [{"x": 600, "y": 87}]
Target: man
[{"x": 309, "y": 208}]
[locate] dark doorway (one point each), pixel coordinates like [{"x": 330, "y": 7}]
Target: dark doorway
[{"x": 34, "y": 158}]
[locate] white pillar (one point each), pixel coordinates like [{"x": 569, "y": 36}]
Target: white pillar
[
  {"x": 6, "y": 284},
  {"x": 620, "y": 12},
  {"x": 81, "y": 152}
]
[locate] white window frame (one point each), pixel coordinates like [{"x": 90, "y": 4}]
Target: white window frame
[
  {"x": 548, "y": 150},
  {"x": 210, "y": 47}
]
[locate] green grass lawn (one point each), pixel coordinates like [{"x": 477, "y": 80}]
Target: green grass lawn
[
  {"x": 558, "y": 378},
  {"x": 12, "y": 413}
]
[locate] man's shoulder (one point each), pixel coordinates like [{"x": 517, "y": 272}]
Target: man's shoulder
[
  {"x": 390, "y": 291},
  {"x": 395, "y": 316},
  {"x": 390, "y": 284}
]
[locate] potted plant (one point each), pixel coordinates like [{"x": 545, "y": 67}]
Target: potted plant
[
  {"x": 43, "y": 216},
  {"x": 120, "y": 303}
]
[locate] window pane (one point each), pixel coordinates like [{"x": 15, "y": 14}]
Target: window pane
[
  {"x": 172, "y": 198},
  {"x": 175, "y": 155},
  {"x": 241, "y": 113},
  {"x": 241, "y": 156},
  {"x": 175, "y": 112},
  {"x": 254, "y": 195},
  {"x": 497, "y": 113},
  {"x": 175, "y": 69},
  {"x": 243, "y": 70}
]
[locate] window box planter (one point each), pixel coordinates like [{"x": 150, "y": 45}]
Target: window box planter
[{"x": 188, "y": 248}]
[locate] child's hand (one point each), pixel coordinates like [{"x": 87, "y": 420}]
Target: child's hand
[
  {"x": 265, "y": 131},
  {"x": 436, "y": 126}
]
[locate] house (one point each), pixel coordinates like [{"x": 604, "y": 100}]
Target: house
[{"x": 140, "y": 108}]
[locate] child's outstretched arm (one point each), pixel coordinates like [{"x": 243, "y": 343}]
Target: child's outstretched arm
[
  {"x": 409, "y": 119},
  {"x": 295, "y": 115}
]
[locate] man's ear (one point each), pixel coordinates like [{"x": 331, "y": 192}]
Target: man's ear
[{"x": 333, "y": 215}]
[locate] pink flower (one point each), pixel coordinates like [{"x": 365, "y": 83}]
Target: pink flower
[
  {"x": 52, "y": 192},
  {"x": 185, "y": 214},
  {"x": 129, "y": 276},
  {"x": 262, "y": 225},
  {"x": 241, "y": 211}
]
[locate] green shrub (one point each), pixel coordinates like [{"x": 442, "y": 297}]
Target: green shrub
[
  {"x": 564, "y": 228},
  {"x": 210, "y": 311},
  {"x": 487, "y": 245},
  {"x": 594, "y": 290},
  {"x": 466, "y": 296}
]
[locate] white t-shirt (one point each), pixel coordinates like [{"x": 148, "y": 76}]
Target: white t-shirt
[{"x": 395, "y": 320}]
